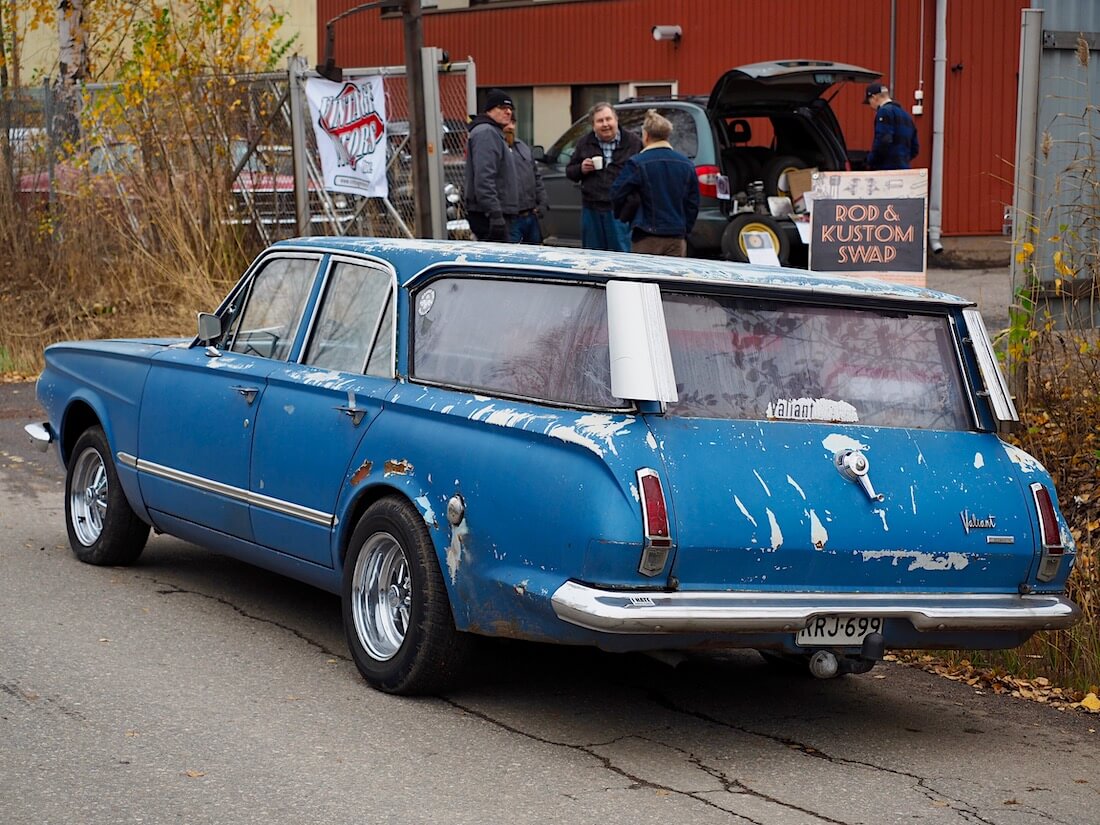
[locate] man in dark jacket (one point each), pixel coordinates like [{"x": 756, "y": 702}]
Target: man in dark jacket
[
  {"x": 491, "y": 197},
  {"x": 531, "y": 194},
  {"x": 597, "y": 160},
  {"x": 658, "y": 192},
  {"x": 895, "y": 144}
]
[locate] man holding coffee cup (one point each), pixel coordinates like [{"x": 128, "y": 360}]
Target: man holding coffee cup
[{"x": 597, "y": 160}]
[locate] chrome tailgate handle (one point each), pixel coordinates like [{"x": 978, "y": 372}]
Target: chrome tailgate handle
[{"x": 854, "y": 466}]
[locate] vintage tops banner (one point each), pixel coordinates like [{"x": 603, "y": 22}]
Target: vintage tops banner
[{"x": 349, "y": 120}]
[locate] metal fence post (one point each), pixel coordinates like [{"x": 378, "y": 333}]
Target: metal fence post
[
  {"x": 296, "y": 68},
  {"x": 433, "y": 132},
  {"x": 1023, "y": 184}
]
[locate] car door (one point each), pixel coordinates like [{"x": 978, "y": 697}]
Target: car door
[
  {"x": 200, "y": 403},
  {"x": 317, "y": 408},
  {"x": 561, "y": 223}
]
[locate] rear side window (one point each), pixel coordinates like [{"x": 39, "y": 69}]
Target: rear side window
[
  {"x": 521, "y": 339},
  {"x": 684, "y": 137},
  {"x": 753, "y": 359}
]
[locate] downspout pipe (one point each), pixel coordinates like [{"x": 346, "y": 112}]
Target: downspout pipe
[{"x": 939, "y": 92}]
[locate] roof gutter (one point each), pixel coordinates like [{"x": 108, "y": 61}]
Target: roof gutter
[{"x": 939, "y": 92}]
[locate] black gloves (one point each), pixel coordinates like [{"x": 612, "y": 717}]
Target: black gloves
[{"x": 498, "y": 229}]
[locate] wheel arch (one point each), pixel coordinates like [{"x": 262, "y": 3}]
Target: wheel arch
[{"x": 79, "y": 416}]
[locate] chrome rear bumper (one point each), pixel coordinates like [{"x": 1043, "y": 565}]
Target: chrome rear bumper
[{"x": 611, "y": 611}]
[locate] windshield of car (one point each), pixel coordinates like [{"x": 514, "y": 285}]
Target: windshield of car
[
  {"x": 684, "y": 138},
  {"x": 744, "y": 358}
]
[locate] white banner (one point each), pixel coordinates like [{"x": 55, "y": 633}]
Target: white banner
[{"x": 349, "y": 120}]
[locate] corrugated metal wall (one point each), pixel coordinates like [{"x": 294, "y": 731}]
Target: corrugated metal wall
[{"x": 610, "y": 41}]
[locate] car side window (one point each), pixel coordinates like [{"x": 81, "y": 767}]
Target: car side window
[
  {"x": 546, "y": 342},
  {"x": 272, "y": 312},
  {"x": 685, "y": 136},
  {"x": 350, "y": 317}
]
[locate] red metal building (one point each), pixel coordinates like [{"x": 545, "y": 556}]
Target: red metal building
[{"x": 556, "y": 47}]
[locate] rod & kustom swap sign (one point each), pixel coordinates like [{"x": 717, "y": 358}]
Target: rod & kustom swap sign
[
  {"x": 872, "y": 224},
  {"x": 349, "y": 121}
]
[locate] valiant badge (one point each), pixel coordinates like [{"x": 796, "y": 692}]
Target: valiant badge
[{"x": 972, "y": 522}]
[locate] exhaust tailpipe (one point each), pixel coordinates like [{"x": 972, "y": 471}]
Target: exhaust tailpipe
[{"x": 824, "y": 665}]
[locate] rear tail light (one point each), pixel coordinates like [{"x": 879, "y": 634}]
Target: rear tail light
[
  {"x": 708, "y": 180},
  {"x": 1052, "y": 546},
  {"x": 655, "y": 526}
]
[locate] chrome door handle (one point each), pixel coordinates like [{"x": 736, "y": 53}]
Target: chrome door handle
[
  {"x": 249, "y": 393},
  {"x": 355, "y": 413}
]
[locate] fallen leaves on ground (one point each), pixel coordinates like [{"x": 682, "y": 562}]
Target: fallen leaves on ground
[{"x": 1038, "y": 689}]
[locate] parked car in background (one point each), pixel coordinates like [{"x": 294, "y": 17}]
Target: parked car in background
[
  {"x": 760, "y": 122},
  {"x": 637, "y": 453},
  {"x": 107, "y": 170}
]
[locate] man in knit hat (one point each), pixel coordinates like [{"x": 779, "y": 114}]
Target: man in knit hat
[{"x": 491, "y": 196}]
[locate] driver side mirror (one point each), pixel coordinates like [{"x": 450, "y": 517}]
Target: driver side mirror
[
  {"x": 538, "y": 153},
  {"x": 210, "y": 327}
]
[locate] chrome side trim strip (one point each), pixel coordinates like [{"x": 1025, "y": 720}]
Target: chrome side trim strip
[
  {"x": 286, "y": 508},
  {"x": 740, "y": 612}
]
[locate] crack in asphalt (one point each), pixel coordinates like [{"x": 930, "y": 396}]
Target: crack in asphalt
[
  {"x": 923, "y": 784},
  {"x": 605, "y": 761},
  {"x": 174, "y": 589}
]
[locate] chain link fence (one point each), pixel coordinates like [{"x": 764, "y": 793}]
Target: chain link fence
[{"x": 241, "y": 144}]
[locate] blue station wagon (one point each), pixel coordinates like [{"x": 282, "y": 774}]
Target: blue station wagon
[{"x": 626, "y": 451}]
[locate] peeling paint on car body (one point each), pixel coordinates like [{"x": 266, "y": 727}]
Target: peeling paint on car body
[
  {"x": 397, "y": 467},
  {"x": 920, "y": 561},
  {"x": 755, "y": 508}
]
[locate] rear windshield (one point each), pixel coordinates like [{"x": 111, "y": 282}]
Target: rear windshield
[{"x": 753, "y": 359}]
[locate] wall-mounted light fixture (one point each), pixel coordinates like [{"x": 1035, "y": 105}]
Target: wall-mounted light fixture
[{"x": 673, "y": 33}]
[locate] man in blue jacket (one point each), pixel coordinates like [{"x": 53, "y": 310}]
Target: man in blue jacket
[
  {"x": 895, "y": 144},
  {"x": 657, "y": 192}
]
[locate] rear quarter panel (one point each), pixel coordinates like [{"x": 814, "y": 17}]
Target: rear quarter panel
[{"x": 549, "y": 496}]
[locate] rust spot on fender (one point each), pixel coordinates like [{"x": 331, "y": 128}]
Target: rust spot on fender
[
  {"x": 362, "y": 472},
  {"x": 398, "y": 468}
]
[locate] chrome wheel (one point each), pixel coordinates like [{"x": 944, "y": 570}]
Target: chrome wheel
[
  {"x": 88, "y": 497},
  {"x": 381, "y": 596}
]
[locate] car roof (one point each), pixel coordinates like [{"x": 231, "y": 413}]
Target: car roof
[
  {"x": 416, "y": 260},
  {"x": 795, "y": 82}
]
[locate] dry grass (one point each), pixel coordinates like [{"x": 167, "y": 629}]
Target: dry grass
[{"x": 135, "y": 255}]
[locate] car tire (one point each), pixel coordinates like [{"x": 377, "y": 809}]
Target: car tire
[
  {"x": 397, "y": 617},
  {"x": 103, "y": 528},
  {"x": 734, "y": 247},
  {"x": 775, "y": 174}
]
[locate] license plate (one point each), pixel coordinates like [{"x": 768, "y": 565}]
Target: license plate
[{"x": 838, "y": 630}]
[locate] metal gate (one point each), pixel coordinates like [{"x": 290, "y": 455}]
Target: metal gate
[{"x": 266, "y": 189}]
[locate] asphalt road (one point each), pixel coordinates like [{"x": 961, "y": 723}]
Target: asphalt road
[{"x": 191, "y": 688}]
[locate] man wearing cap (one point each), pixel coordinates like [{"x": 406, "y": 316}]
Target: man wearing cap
[
  {"x": 895, "y": 143},
  {"x": 597, "y": 160},
  {"x": 491, "y": 196}
]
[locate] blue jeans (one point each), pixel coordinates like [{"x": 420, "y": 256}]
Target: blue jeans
[
  {"x": 600, "y": 230},
  {"x": 525, "y": 229}
]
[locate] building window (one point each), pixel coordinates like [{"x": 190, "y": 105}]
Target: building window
[
  {"x": 652, "y": 89},
  {"x": 585, "y": 97}
]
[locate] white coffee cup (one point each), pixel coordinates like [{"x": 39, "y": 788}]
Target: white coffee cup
[{"x": 597, "y": 162}]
